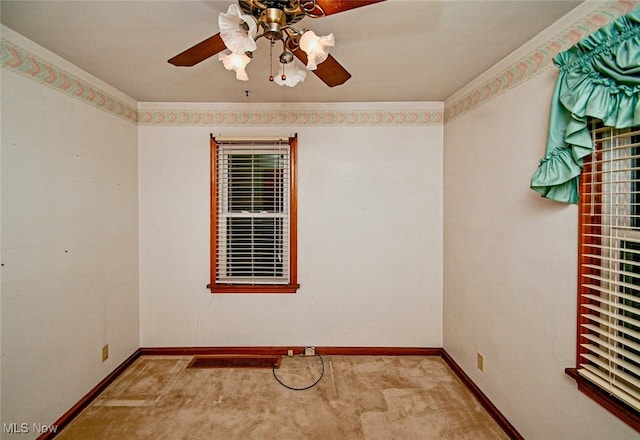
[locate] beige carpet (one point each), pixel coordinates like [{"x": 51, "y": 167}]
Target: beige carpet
[{"x": 359, "y": 397}]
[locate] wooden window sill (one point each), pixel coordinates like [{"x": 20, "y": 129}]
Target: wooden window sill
[
  {"x": 610, "y": 403},
  {"x": 257, "y": 289}
]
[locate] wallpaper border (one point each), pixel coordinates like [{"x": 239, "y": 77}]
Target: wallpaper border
[
  {"x": 538, "y": 60},
  {"x": 18, "y": 60},
  {"x": 290, "y": 117}
]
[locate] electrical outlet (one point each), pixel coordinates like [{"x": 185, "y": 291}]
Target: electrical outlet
[
  {"x": 105, "y": 352},
  {"x": 309, "y": 351},
  {"x": 290, "y": 353},
  {"x": 480, "y": 362}
]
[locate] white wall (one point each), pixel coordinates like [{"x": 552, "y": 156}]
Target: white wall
[
  {"x": 510, "y": 269},
  {"x": 369, "y": 232},
  {"x": 69, "y": 248},
  {"x": 370, "y": 251}
]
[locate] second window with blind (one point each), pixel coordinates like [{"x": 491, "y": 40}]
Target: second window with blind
[
  {"x": 253, "y": 215},
  {"x": 608, "y": 358}
]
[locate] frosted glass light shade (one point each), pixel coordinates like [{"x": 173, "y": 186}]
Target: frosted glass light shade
[
  {"x": 293, "y": 75},
  {"x": 235, "y": 36},
  {"x": 237, "y": 63},
  {"x": 316, "y": 48}
]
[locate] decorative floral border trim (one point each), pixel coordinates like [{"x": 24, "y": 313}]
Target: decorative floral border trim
[
  {"x": 290, "y": 117},
  {"x": 16, "y": 59},
  {"x": 25, "y": 63},
  {"x": 538, "y": 60}
]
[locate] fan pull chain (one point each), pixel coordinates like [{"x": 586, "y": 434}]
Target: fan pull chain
[{"x": 271, "y": 60}]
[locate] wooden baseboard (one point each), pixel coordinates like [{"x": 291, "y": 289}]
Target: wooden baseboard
[
  {"x": 325, "y": 351},
  {"x": 89, "y": 397},
  {"x": 328, "y": 351},
  {"x": 506, "y": 426}
]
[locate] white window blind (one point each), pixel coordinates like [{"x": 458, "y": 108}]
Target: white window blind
[
  {"x": 252, "y": 225},
  {"x": 609, "y": 321}
]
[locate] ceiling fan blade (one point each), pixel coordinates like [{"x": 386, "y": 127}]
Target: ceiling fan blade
[
  {"x": 329, "y": 71},
  {"x": 334, "y": 6},
  {"x": 199, "y": 52}
]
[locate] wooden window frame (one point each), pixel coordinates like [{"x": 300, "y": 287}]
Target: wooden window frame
[
  {"x": 292, "y": 286},
  {"x": 586, "y": 233}
]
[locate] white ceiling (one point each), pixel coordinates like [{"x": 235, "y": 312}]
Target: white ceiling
[{"x": 397, "y": 50}]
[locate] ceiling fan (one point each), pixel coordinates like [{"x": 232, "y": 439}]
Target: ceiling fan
[{"x": 239, "y": 29}]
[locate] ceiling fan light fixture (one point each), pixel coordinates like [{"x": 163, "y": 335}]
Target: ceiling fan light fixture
[
  {"x": 237, "y": 63},
  {"x": 316, "y": 47},
  {"x": 237, "y": 30},
  {"x": 292, "y": 76},
  {"x": 248, "y": 21}
]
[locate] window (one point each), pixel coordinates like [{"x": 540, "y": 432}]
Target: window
[
  {"x": 253, "y": 215},
  {"x": 608, "y": 358}
]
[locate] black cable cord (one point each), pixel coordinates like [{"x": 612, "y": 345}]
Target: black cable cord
[{"x": 273, "y": 369}]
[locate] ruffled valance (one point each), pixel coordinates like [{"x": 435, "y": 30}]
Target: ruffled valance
[{"x": 600, "y": 78}]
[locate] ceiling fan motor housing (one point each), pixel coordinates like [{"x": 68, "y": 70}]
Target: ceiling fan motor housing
[
  {"x": 287, "y": 11},
  {"x": 273, "y": 20}
]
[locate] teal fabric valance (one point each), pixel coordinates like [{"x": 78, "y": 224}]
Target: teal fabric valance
[{"x": 600, "y": 78}]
